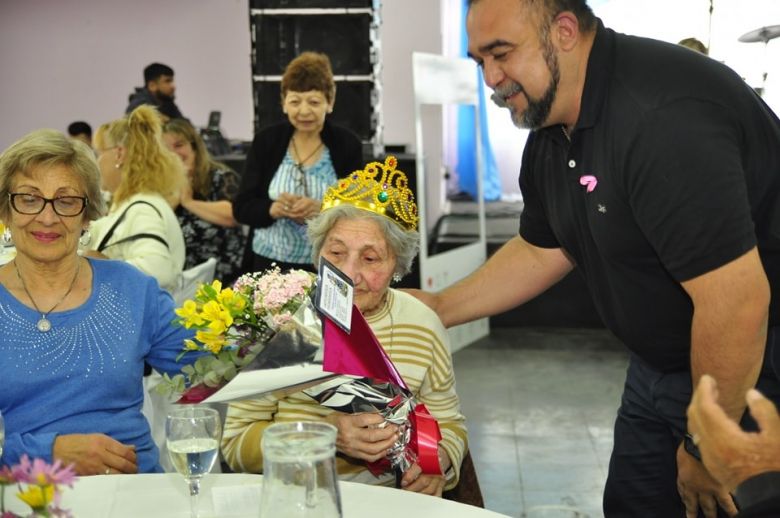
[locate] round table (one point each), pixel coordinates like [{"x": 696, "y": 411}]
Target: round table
[{"x": 233, "y": 495}]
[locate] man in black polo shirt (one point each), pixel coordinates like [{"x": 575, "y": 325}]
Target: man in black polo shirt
[{"x": 654, "y": 171}]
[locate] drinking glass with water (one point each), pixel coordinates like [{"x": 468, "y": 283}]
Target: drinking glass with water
[
  {"x": 2, "y": 436},
  {"x": 192, "y": 437}
]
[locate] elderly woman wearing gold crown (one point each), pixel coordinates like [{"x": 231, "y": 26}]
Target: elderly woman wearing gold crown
[{"x": 367, "y": 229}]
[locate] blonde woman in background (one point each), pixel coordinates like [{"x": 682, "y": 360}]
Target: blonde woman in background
[
  {"x": 205, "y": 210},
  {"x": 144, "y": 179}
]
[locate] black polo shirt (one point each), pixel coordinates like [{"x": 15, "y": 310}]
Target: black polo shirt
[{"x": 686, "y": 161}]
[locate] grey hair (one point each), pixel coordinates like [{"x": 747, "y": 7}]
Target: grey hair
[
  {"x": 403, "y": 243},
  {"x": 48, "y": 148}
]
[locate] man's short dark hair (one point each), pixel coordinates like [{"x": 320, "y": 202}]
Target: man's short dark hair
[
  {"x": 155, "y": 71},
  {"x": 580, "y": 8},
  {"x": 79, "y": 128}
]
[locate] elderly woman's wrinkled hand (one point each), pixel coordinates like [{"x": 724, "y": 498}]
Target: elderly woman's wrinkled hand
[
  {"x": 304, "y": 208},
  {"x": 95, "y": 454},
  {"x": 282, "y": 207},
  {"x": 363, "y": 436},
  {"x": 416, "y": 481}
]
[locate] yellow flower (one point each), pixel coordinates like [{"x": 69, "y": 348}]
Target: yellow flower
[
  {"x": 231, "y": 300},
  {"x": 212, "y": 341},
  {"x": 213, "y": 311},
  {"x": 37, "y": 497},
  {"x": 189, "y": 312},
  {"x": 201, "y": 293},
  {"x": 190, "y": 345},
  {"x": 217, "y": 327}
]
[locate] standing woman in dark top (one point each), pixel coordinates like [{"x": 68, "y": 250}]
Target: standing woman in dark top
[
  {"x": 290, "y": 165},
  {"x": 205, "y": 210}
]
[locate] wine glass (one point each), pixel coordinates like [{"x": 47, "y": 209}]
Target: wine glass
[{"x": 192, "y": 436}]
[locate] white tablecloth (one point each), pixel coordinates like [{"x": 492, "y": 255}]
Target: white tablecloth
[{"x": 166, "y": 495}]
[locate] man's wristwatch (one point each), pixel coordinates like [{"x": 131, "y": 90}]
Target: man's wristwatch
[{"x": 690, "y": 446}]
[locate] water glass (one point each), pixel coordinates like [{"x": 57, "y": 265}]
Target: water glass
[
  {"x": 299, "y": 471},
  {"x": 192, "y": 436},
  {"x": 2, "y": 436}
]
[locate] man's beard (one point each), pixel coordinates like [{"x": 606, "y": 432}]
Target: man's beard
[
  {"x": 165, "y": 98},
  {"x": 538, "y": 110}
]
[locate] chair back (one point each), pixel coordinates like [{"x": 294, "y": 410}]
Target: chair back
[{"x": 189, "y": 280}]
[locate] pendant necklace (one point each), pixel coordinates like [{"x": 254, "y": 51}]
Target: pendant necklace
[
  {"x": 299, "y": 164},
  {"x": 44, "y": 324}
]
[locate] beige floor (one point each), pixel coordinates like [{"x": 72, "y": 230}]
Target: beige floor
[{"x": 540, "y": 405}]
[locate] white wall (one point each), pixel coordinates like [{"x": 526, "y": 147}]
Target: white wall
[
  {"x": 408, "y": 25},
  {"x": 64, "y": 60}
]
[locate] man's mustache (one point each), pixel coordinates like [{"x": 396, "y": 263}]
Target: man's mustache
[{"x": 501, "y": 93}]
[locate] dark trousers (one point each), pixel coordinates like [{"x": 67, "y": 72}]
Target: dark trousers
[{"x": 651, "y": 422}]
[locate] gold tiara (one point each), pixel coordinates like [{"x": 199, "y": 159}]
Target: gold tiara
[{"x": 378, "y": 188}]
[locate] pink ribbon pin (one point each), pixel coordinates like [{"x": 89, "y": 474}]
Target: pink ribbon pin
[{"x": 589, "y": 181}]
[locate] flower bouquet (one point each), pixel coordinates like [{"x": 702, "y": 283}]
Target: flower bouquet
[
  {"x": 39, "y": 486},
  {"x": 264, "y": 322}
]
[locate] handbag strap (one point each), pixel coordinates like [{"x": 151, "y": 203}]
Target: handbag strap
[{"x": 104, "y": 242}]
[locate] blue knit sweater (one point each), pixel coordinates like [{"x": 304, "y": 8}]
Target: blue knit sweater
[{"x": 85, "y": 374}]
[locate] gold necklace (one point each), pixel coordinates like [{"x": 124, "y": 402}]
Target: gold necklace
[{"x": 44, "y": 324}]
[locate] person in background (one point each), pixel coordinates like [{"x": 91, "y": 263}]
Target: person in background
[
  {"x": 694, "y": 44},
  {"x": 75, "y": 331},
  {"x": 159, "y": 90},
  {"x": 145, "y": 180},
  {"x": 82, "y": 131},
  {"x": 289, "y": 166},
  {"x": 653, "y": 171},
  {"x": 205, "y": 210},
  {"x": 373, "y": 241}
]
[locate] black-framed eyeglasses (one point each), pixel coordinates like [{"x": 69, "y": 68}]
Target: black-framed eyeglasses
[{"x": 30, "y": 204}]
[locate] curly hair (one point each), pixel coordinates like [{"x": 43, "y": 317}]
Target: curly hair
[
  {"x": 149, "y": 167},
  {"x": 204, "y": 165},
  {"x": 48, "y": 148},
  {"x": 309, "y": 71}
]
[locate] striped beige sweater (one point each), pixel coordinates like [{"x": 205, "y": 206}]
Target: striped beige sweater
[{"x": 416, "y": 341}]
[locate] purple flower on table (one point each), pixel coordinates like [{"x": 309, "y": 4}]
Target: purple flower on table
[{"x": 40, "y": 473}]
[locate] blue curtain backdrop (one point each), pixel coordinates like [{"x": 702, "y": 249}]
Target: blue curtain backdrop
[{"x": 467, "y": 148}]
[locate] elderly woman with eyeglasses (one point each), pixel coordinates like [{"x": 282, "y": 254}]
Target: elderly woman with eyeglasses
[{"x": 74, "y": 331}]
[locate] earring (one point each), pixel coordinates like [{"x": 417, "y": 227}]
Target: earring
[
  {"x": 397, "y": 278},
  {"x": 117, "y": 165},
  {"x": 85, "y": 238},
  {"x": 6, "y": 238}
]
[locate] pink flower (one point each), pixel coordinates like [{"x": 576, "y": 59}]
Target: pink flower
[
  {"x": 6, "y": 476},
  {"x": 40, "y": 473}
]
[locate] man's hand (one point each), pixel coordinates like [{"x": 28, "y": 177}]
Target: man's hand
[
  {"x": 95, "y": 454},
  {"x": 730, "y": 454},
  {"x": 698, "y": 489}
]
